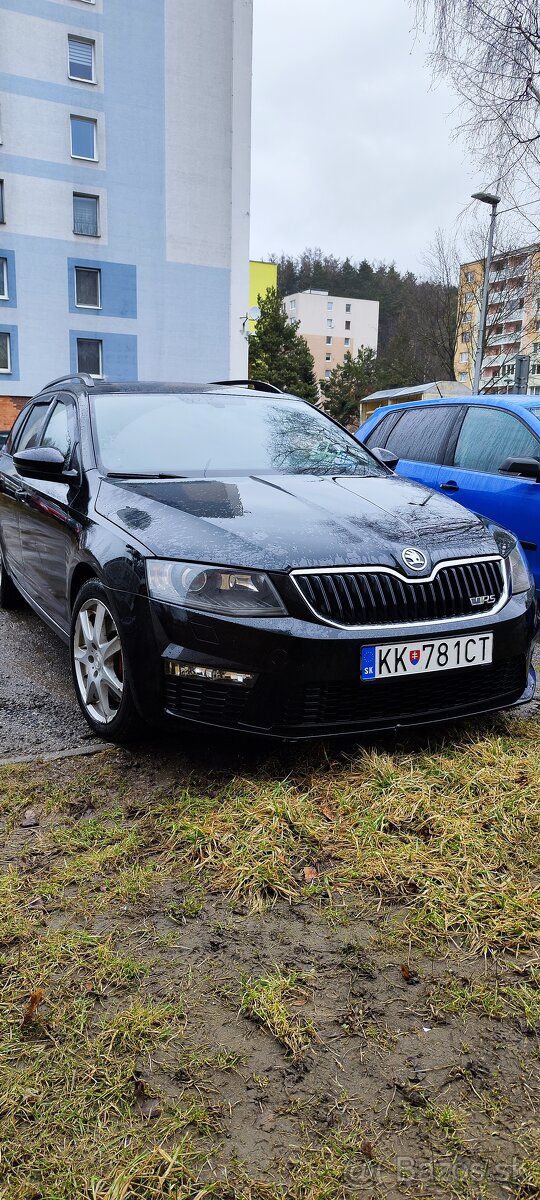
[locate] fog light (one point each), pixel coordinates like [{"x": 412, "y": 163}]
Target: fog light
[{"x": 212, "y": 674}]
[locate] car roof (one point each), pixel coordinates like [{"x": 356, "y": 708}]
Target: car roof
[
  {"x": 80, "y": 385},
  {"x": 509, "y": 400}
]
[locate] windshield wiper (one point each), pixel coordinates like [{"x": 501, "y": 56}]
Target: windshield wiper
[{"x": 143, "y": 475}]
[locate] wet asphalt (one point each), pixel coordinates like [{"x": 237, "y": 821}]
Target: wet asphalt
[{"x": 39, "y": 714}]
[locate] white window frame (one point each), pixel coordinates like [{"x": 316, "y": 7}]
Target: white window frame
[
  {"x": 348, "y": 308},
  {"x": 96, "y": 271},
  {"x": 91, "y": 121},
  {"x": 2, "y": 203},
  {"x": 87, "y": 196},
  {"x": 327, "y": 374},
  {"x": 470, "y": 277},
  {"x": 4, "y": 280},
  {"x": 347, "y": 342},
  {"x": 6, "y": 370},
  {"x": 328, "y": 341},
  {"x": 464, "y": 356},
  {"x": 330, "y": 305},
  {"x": 75, "y": 37},
  {"x": 328, "y": 358},
  {"x": 100, "y": 344}
]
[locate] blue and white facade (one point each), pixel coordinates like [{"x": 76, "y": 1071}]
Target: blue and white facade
[{"x": 124, "y": 189}]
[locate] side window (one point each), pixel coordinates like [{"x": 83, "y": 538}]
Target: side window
[
  {"x": 57, "y": 432},
  {"x": 29, "y": 435},
  {"x": 379, "y": 434},
  {"x": 422, "y": 433},
  {"x": 488, "y": 436},
  {"x": 15, "y": 430}
]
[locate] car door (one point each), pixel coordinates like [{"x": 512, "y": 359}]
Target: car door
[
  {"x": 48, "y": 529},
  {"x": 419, "y": 438},
  {"x": 13, "y": 488},
  {"x": 486, "y": 438}
]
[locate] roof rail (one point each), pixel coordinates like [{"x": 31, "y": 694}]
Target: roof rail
[
  {"x": 82, "y": 376},
  {"x": 256, "y": 383}
]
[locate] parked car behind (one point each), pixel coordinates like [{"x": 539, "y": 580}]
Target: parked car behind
[
  {"x": 232, "y": 557},
  {"x": 483, "y": 451}
]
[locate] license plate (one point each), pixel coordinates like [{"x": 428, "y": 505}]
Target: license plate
[{"x": 420, "y": 658}]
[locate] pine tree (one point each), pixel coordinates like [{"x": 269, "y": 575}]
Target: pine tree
[
  {"x": 277, "y": 352},
  {"x": 348, "y": 384}
]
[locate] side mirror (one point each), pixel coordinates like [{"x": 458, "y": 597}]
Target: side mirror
[
  {"x": 43, "y": 462},
  {"x": 527, "y": 468},
  {"x": 384, "y": 456}
]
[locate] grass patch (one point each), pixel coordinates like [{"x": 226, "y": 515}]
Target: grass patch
[
  {"x": 494, "y": 999},
  {"x": 268, "y": 1002}
]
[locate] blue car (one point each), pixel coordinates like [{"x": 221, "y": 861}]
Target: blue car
[{"x": 483, "y": 451}]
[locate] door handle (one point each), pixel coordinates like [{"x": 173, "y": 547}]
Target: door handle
[{"x": 449, "y": 486}]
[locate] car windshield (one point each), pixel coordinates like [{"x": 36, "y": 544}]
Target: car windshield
[
  {"x": 535, "y": 412},
  {"x": 208, "y": 434}
]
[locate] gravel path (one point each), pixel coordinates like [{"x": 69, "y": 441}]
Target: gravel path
[{"x": 38, "y": 711}]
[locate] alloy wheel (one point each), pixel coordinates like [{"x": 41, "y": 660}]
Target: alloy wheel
[{"x": 98, "y": 661}]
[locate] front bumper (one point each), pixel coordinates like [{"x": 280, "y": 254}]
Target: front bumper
[{"x": 307, "y": 675}]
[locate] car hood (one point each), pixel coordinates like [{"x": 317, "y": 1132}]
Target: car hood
[{"x": 276, "y": 523}]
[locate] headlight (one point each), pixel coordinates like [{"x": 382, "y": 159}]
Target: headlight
[
  {"x": 518, "y": 569},
  {"x": 237, "y": 593}
]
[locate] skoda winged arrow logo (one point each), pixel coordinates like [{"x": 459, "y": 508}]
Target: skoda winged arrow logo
[{"x": 415, "y": 560}]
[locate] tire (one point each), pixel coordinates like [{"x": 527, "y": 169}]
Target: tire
[
  {"x": 99, "y": 665},
  {"x": 9, "y": 596}
]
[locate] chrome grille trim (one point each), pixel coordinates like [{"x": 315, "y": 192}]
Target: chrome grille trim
[{"x": 376, "y": 591}]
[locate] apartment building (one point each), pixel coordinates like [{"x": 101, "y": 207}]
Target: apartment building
[
  {"x": 124, "y": 189},
  {"x": 512, "y": 323},
  {"x": 333, "y": 325}
]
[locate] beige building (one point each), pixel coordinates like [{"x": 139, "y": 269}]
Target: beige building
[
  {"x": 333, "y": 325},
  {"x": 512, "y": 321}
]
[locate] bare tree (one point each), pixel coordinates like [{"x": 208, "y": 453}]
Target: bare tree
[{"x": 490, "y": 51}]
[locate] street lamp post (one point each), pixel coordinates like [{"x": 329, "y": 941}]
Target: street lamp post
[{"x": 486, "y": 198}]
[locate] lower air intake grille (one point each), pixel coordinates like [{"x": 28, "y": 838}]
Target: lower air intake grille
[
  {"x": 223, "y": 704},
  {"x": 379, "y": 598},
  {"x": 367, "y": 704}
]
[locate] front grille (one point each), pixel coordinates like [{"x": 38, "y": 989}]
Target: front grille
[
  {"x": 379, "y": 598},
  {"x": 366, "y": 704}
]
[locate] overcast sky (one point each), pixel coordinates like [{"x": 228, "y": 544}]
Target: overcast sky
[{"x": 353, "y": 147}]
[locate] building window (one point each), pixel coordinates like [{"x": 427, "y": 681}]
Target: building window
[
  {"x": 83, "y": 138},
  {"x": 329, "y": 341},
  {"x": 347, "y": 324},
  {"x": 464, "y": 357},
  {"x": 5, "y": 353},
  {"x": 4, "y": 294},
  {"x": 467, "y": 318},
  {"x": 327, "y": 374},
  {"x": 330, "y": 323},
  {"x": 330, "y": 305},
  {"x": 81, "y": 59},
  {"x": 348, "y": 307},
  {"x": 292, "y": 303},
  {"x": 466, "y": 336},
  {"x": 90, "y": 356},
  {"x": 85, "y": 215},
  {"x": 470, "y": 277},
  {"x": 2, "y": 216},
  {"x": 87, "y": 288},
  {"x": 469, "y": 297},
  {"x": 463, "y": 377},
  {"x": 329, "y": 358},
  {"x": 347, "y": 341}
]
